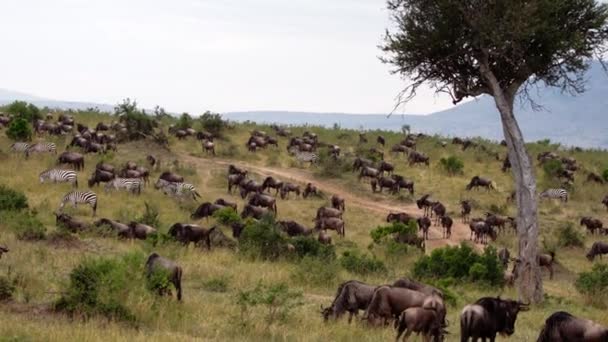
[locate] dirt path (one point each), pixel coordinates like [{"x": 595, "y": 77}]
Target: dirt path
[{"x": 460, "y": 231}]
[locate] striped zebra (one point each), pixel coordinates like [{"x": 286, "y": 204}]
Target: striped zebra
[
  {"x": 177, "y": 189},
  {"x": 555, "y": 194},
  {"x": 59, "y": 176},
  {"x": 307, "y": 157},
  {"x": 133, "y": 185},
  {"x": 20, "y": 147},
  {"x": 41, "y": 148},
  {"x": 80, "y": 197}
]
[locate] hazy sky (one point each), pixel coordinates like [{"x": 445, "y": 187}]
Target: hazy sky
[{"x": 193, "y": 55}]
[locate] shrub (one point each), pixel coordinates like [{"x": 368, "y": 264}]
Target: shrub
[
  {"x": 19, "y": 130},
  {"x": 185, "y": 121},
  {"x": 278, "y": 300},
  {"x": 216, "y": 284},
  {"x": 316, "y": 271},
  {"x": 212, "y": 123},
  {"x": 452, "y": 165},
  {"x": 310, "y": 247},
  {"x": 552, "y": 168},
  {"x": 227, "y": 216},
  {"x": 331, "y": 168},
  {"x": 460, "y": 263},
  {"x": 569, "y": 236},
  {"x": 263, "y": 239},
  {"x": 150, "y": 216},
  {"x": 12, "y": 199},
  {"x": 378, "y": 234},
  {"x": 7, "y": 288},
  {"x": 101, "y": 287},
  {"x": 25, "y": 225},
  {"x": 137, "y": 122},
  {"x": 605, "y": 175},
  {"x": 24, "y": 110},
  {"x": 358, "y": 263},
  {"x": 594, "y": 284}
]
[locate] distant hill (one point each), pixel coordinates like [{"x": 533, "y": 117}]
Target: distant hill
[{"x": 8, "y": 96}]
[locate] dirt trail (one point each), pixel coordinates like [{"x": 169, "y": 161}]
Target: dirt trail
[{"x": 460, "y": 231}]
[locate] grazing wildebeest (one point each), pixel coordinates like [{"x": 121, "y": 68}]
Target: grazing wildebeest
[
  {"x": 388, "y": 302},
  {"x": 271, "y": 182},
  {"x": 332, "y": 223},
  {"x": 234, "y": 180},
  {"x": 156, "y": 263},
  {"x": 337, "y": 202},
  {"x": 105, "y": 167},
  {"x": 493, "y": 220},
  {"x": 250, "y": 186},
  {"x": 488, "y": 317},
  {"x": 387, "y": 167},
  {"x": 202, "y": 135},
  {"x": 416, "y": 157},
  {"x": 226, "y": 203},
  {"x": 141, "y": 231},
  {"x": 72, "y": 158},
  {"x": 309, "y": 190},
  {"x": 69, "y": 222},
  {"x": 400, "y": 217},
  {"x": 403, "y": 183},
  {"x": 360, "y": 163},
  {"x": 592, "y": 224},
  {"x": 328, "y": 212},
  {"x": 368, "y": 172},
  {"x": 170, "y": 177},
  {"x": 465, "y": 210},
  {"x": 384, "y": 182},
  {"x": 446, "y": 224},
  {"x": 410, "y": 239},
  {"x": 351, "y": 297},
  {"x": 100, "y": 176},
  {"x": 205, "y": 210},
  {"x": 424, "y": 223},
  {"x": 483, "y": 182},
  {"x": 400, "y": 149},
  {"x": 563, "y": 327},
  {"x": 425, "y": 203},
  {"x": 122, "y": 229},
  {"x": 598, "y": 248},
  {"x": 265, "y": 201},
  {"x": 253, "y": 211},
  {"x": 324, "y": 238},
  {"x": 412, "y": 284},
  {"x": 187, "y": 233},
  {"x": 289, "y": 187},
  {"x": 420, "y": 320},
  {"x": 504, "y": 256},
  {"x": 380, "y": 140},
  {"x": 293, "y": 228}
]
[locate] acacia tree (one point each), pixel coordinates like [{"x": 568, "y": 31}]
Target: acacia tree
[{"x": 501, "y": 48}]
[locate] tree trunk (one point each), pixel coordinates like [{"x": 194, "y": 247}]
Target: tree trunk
[{"x": 529, "y": 276}]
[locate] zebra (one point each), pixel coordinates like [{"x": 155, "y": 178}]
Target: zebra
[
  {"x": 177, "y": 189},
  {"x": 307, "y": 157},
  {"x": 84, "y": 197},
  {"x": 555, "y": 194},
  {"x": 41, "y": 147},
  {"x": 20, "y": 147},
  {"x": 132, "y": 185},
  {"x": 59, "y": 176}
]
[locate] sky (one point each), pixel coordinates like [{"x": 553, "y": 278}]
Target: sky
[{"x": 197, "y": 55}]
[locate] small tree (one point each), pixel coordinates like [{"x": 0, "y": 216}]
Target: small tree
[
  {"x": 500, "y": 48},
  {"x": 19, "y": 130},
  {"x": 27, "y": 111},
  {"x": 212, "y": 123},
  {"x": 185, "y": 121},
  {"x": 452, "y": 165}
]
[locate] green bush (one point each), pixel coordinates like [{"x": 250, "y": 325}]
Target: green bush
[
  {"x": 452, "y": 165},
  {"x": 212, "y": 123},
  {"x": 605, "y": 175},
  {"x": 263, "y": 239},
  {"x": 19, "y": 130},
  {"x": 310, "y": 247},
  {"x": 569, "y": 236},
  {"x": 329, "y": 167},
  {"x": 185, "y": 121},
  {"x": 355, "y": 262},
  {"x": 461, "y": 263},
  {"x": 136, "y": 121},
  {"x": 24, "y": 110},
  {"x": 12, "y": 199},
  {"x": 278, "y": 300},
  {"x": 552, "y": 168},
  {"x": 379, "y": 233},
  {"x": 7, "y": 288},
  {"x": 25, "y": 225},
  {"x": 227, "y": 216},
  {"x": 102, "y": 287},
  {"x": 594, "y": 284}
]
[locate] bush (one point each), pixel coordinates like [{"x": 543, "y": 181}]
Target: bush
[
  {"x": 24, "y": 110},
  {"x": 378, "y": 234},
  {"x": 136, "y": 121},
  {"x": 25, "y": 225},
  {"x": 12, "y": 199},
  {"x": 263, "y": 239},
  {"x": 7, "y": 288},
  {"x": 329, "y": 167},
  {"x": 150, "y": 216},
  {"x": 460, "y": 263},
  {"x": 216, "y": 284},
  {"x": 227, "y": 216},
  {"x": 277, "y": 299},
  {"x": 605, "y": 175},
  {"x": 19, "y": 130},
  {"x": 101, "y": 287},
  {"x": 569, "y": 236},
  {"x": 310, "y": 247},
  {"x": 552, "y": 168},
  {"x": 185, "y": 121},
  {"x": 452, "y": 165},
  {"x": 594, "y": 284},
  {"x": 358, "y": 263},
  {"x": 212, "y": 123}
]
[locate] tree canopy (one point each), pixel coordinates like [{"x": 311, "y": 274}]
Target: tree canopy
[{"x": 24, "y": 110}]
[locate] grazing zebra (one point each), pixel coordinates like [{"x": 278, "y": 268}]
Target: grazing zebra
[
  {"x": 177, "y": 189},
  {"x": 20, "y": 147},
  {"x": 307, "y": 157},
  {"x": 40, "y": 148},
  {"x": 555, "y": 194},
  {"x": 59, "y": 176},
  {"x": 84, "y": 197},
  {"x": 133, "y": 185}
]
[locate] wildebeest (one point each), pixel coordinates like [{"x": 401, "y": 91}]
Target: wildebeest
[
  {"x": 265, "y": 201},
  {"x": 253, "y": 211},
  {"x": 69, "y": 222},
  {"x": 4, "y": 249},
  {"x": 351, "y": 297},
  {"x": 481, "y": 182},
  {"x": 170, "y": 177},
  {"x": 100, "y": 176},
  {"x": 481, "y": 231},
  {"x": 205, "y": 210},
  {"x": 387, "y": 167},
  {"x": 271, "y": 182},
  {"x": 324, "y": 238},
  {"x": 328, "y": 212},
  {"x": 380, "y": 140},
  {"x": 105, "y": 167},
  {"x": 388, "y": 302},
  {"x": 420, "y": 320},
  {"x": 544, "y": 260},
  {"x": 400, "y": 217},
  {"x": 446, "y": 224},
  {"x": 309, "y": 190},
  {"x": 384, "y": 182},
  {"x": 233, "y": 170},
  {"x": 403, "y": 183},
  {"x": 424, "y": 223},
  {"x": 250, "y": 186},
  {"x": 187, "y": 233},
  {"x": 287, "y": 188},
  {"x": 400, "y": 149},
  {"x": 293, "y": 228},
  {"x": 598, "y": 248},
  {"x": 237, "y": 229},
  {"x": 208, "y": 147},
  {"x": 425, "y": 203},
  {"x": 156, "y": 263},
  {"x": 332, "y": 223},
  {"x": 337, "y": 202},
  {"x": 592, "y": 177},
  {"x": 410, "y": 239},
  {"x": 234, "y": 180},
  {"x": 72, "y": 158},
  {"x": 465, "y": 210},
  {"x": 488, "y": 317},
  {"x": 359, "y": 163},
  {"x": 123, "y": 230},
  {"x": 226, "y": 203},
  {"x": 504, "y": 256},
  {"x": 141, "y": 231},
  {"x": 439, "y": 210},
  {"x": 563, "y": 327},
  {"x": 412, "y": 284},
  {"x": 493, "y": 220},
  {"x": 592, "y": 224},
  {"x": 368, "y": 172},
  {"x": 605, "y": 201},
  {"x": 416, "y": 157}
]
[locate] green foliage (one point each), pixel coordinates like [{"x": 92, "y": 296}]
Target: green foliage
[
  {"x": 101, "y": 287},
  {"x": 263, "y": 239},
  {"x": 605, "y": 175},
  {"x": 552, "y": 168},
  {"x": 24, "y": 110},
  {"x": 594, "y": 284},
  {"x": 227, "y": 216},
  {"x": 544, "y": 142},
  {"x": 307, "y": 246},
  {"x": 329, "y": 167},
  {"x": 358, "y": 263},
  {"x": 19, "y": 130},
  {"x": 7, "y": 288},
  {"x": 212, "y": 123},
  {"x": 461, "y": 263},
  {"x": 316, "y": 271},
  {"x": 278, "y": 300},
  {"x": 569, "y": 236},
  {"x": 25, "y": 225},
  {"x": 136, "y": 121},
  {"x": 185, "y": 121},
  {"x": 378, "y": 234},
  {"x": 11, "y": 199},
  {"x": 150, "y": 216},
  {"x": 216, "y": 284},
  {"x": 452, "y": 165}
]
